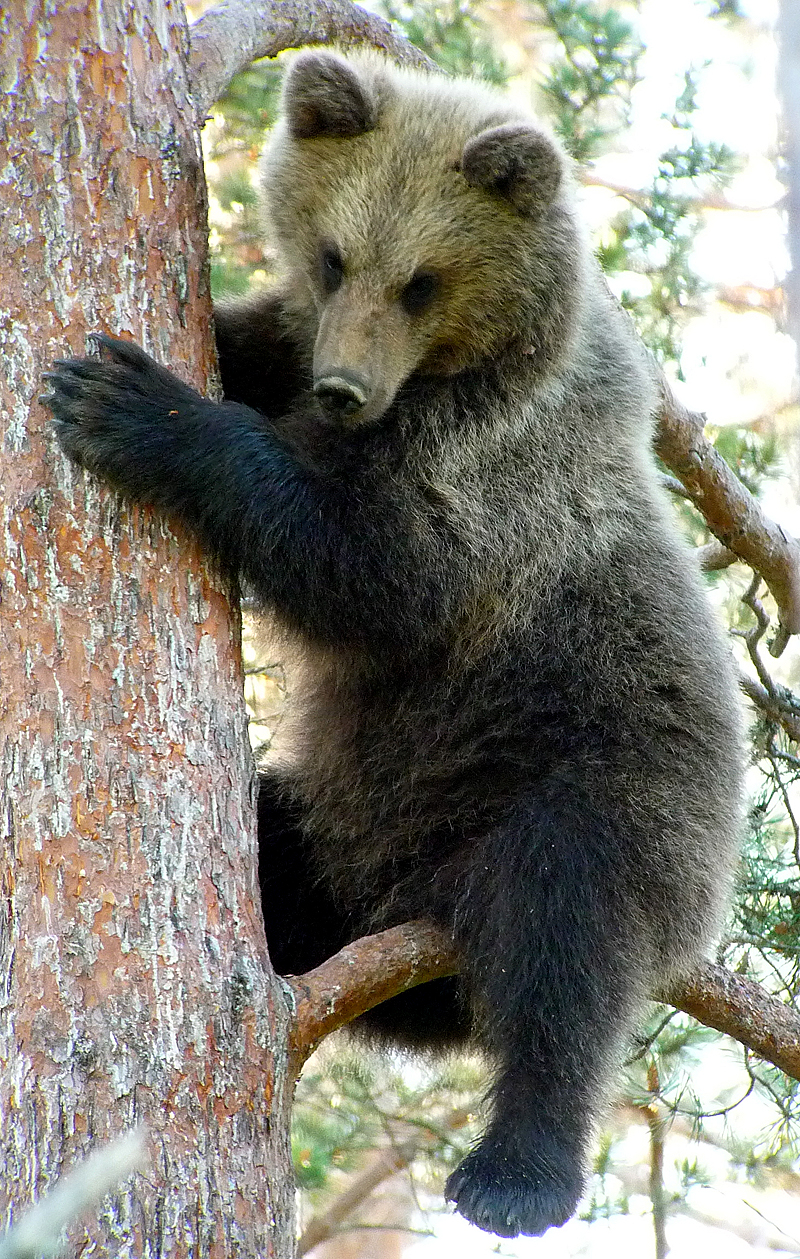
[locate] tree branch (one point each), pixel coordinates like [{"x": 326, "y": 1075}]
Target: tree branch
[
  {"x": 378, "y": 967},
  {"x": 643, "y": 197},
  {"x": 732, "y": 513},
  {"x": 741, "y": 1008},
  {"x": 360, "y": 976},
  {"x": 227, "y": 38}
]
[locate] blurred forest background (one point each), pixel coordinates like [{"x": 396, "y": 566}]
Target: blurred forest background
[{"x": 671, "y": 109}]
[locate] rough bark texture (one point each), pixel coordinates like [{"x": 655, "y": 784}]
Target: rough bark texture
[
  {"x": 741, "y": 1008},
  {"x": 134, "y": 984}
]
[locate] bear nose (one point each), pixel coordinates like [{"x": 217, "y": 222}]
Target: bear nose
[{"x": 341, "y": 393}]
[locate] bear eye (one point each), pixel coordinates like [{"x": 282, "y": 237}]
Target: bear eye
[
  {"x": 419, "y": 292},
  {"x": 331, "y": 268}
]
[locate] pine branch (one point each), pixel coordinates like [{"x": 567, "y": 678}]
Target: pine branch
[
  {"x": 361, "y": 976},
  {"x": 378, "y": 967}
]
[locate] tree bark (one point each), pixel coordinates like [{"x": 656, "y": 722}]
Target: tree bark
[{"x": 134, "y": 982}]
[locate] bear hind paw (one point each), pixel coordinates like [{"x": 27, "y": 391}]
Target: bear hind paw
[{"x": 508, "y": 1196}]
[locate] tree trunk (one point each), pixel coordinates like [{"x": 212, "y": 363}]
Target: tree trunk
[{"x": 134, "y": 981}]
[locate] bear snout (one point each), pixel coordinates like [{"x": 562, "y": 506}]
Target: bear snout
[{"x": 341, "y": 393}]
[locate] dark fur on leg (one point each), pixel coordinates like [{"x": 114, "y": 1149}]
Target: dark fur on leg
[{"x": 568, "y": 978}]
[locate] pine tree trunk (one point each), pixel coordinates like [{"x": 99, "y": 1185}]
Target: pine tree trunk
[{"x": 134, "y": 983}]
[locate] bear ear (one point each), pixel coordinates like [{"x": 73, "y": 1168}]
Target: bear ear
[
  {"x": 516, "y": 162},
  {"x": 324, "y": 96}
]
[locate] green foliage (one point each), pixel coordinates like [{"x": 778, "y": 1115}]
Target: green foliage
[
  {"x": 241, "y": 118},
  {"x": 453, "y": 34},
  {"x": 249, "y": 105},
  {"x": 755, "y": 457},
  {"x": 655, "y": 238},
  {"x": 348, "y": 1103},
  {"x": 768, "y": 908},
  {"x": 588, "y": 86}
]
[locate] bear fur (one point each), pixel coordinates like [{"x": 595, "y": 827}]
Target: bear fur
[{"x": 514, "y": 713}]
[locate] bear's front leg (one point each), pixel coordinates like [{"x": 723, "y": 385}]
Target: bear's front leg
[{"x": 127, "y": 419}]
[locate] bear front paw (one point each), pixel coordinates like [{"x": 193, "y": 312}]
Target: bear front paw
[
  {"x": 508, "y": 1196},
  {"x": 113, "y": 414}
]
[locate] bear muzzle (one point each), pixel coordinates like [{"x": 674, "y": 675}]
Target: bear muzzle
[{"x": 341, "y": 393}]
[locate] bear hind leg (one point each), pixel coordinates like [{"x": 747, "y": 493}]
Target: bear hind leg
[{"x": 553, "y": 957}]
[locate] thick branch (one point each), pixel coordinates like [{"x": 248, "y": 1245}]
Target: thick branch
[
  {"x": 362, "y": 975},
  {"x": 377, "y": 967},
  {"x": 230, "y": 36},
  {"x": 732, "y": 513}
]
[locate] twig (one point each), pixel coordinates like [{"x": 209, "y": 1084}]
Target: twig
[
  {"x": 787, "y": 716},
  {"x": 235, "y": 33},
  {"x": 655, "y": 1123},
  {"x": 643, "y": 197},
  {"x": 378, "y": 967},
  {"x": 384, "y": 1165},
  {"x": 388, "y": 1161}
]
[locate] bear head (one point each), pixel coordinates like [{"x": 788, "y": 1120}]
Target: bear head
[{"x": 424, "y": 226}]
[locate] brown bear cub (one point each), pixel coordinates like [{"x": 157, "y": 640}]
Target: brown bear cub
[{"x": 514, "y": 712}]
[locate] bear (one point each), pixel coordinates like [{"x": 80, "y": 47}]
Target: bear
[{"x": 514, "y": 714}]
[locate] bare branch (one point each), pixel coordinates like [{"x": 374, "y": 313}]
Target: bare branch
[
  {"x": 230, "y": 36},
  {"x": 378, "y": 967},
  {"x": 643, "y": 197},
  {"x": 775, "y": 706},
  {"x": 362, "y": 975},
  {"x": 741, "y": 1008},
  {"x": 730, "y": 510},
  {"x": 714, "y": 556}
]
